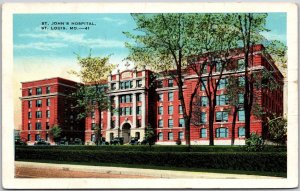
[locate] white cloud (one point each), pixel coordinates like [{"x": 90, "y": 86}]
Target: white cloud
[
  {"x": 41, "y": 46},
  {"x": 57, "y": 37},
  {"x": 116, "y": 21}
]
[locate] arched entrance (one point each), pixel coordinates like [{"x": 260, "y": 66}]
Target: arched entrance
[{"x": 126, "y": 132}]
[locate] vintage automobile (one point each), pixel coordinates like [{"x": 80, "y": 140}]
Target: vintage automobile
[
  {"x": 20, "y": 142},
  {"x": 134, "y": 141}
]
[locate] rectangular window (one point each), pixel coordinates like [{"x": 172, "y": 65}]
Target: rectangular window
[
  {"x": 241, "y": 81},
  {"x": 204, "y": 68},
  {"x": 160, "y": 97},
  {"x": 203, "y": 117},
  {"x": 37, "y": 137},
  {"x": 170, "y": 96},
  {"x": 241, "y": 132},
  {"x": 221, "y": 116},
  {"x": 139, "y": 97},
  {"x": 180, "y": 109},
  {"x": 48, "y": 102},
  {"x": 48, "y": 113},
  {"x": 181, "y": 122},
  {"x": 28, "y": 137},
  {"x": 29, "y": 104},
  {"x": 48, "y": 89},
  {"x": 138, "y": 110},
  {"x": 29, "y": 115},
  {"x": 38, "y": 103},
  {"x": 218, "y": 66},
  {"x": 112, "y": 125},
  {"x": 93, "y": 138},
  {"x": 203, "y": 85},
  {"x": 113, "y": 86},
  {"x": 29, "y": 126},
  {"x": 128, "y": 111},
  {"x": 128, "y": 99},
  {"x": 38, "y": 126},
  {"x": 160, "y": 110},
  {"x": 38, "y": 91},
  {"x": 241, "y": 115},
  {"x": 170, "y": 123},
  {"x": 222, "y": 132},
  {"x": 204, "y": 101},
  {"x": 139, "y": 83},
  {"x": 93, "y": 115},
  {"x": 38, "y": 114},
  {"x": 47, "y": 125},
  {"x": 139, "y": 122},
  {"x": 160, "y": 136},
  {"x": 93, "y": 126},
  {"x": 241, "y": 98},
  {"x": 170, "y": 83},
  {"x": 203, "y": 133},
  {"x": 222, "y": 83},
  {"x": 170, "y": 109},
  {"x": 241, "y": 64},
  {"x": 29, "y": 92},
  {"x": 180, "y": 135},
  {"x": 159, "y": 84},
  {"x": 222, "y": 100},
  {"x": 160, "y": 123},
  {"x": 170, "y": 136}
]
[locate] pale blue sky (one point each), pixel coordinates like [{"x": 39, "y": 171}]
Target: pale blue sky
[{"x": 105, "y": 38}]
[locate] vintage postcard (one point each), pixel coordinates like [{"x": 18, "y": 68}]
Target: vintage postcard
[{"x": 149, "y": 95}]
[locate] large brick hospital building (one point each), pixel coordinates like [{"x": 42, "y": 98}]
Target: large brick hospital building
[{"x": 144, "y": 101}]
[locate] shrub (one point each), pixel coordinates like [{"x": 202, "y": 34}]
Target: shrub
[
  {"x": 254, "y": 143},
  {"x": 270, "y": 162}
]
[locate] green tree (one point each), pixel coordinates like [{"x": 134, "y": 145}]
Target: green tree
[
  {"x": 166, "y": 43},
  {"x": 278, "y": 50},
  {"x": 250, "y": 26},
  {"x": 91, "y": 96},
  {"x": 150, "y": 136},
  {"x": 277, "y": 129},
  {"x": 55, "y": 132}
]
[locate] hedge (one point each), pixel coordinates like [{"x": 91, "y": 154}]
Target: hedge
[
  {"x": 268, "y": 162},
  {"x": 159, "y": 148}
]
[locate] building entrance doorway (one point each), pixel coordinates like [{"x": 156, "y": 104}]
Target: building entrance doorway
[{"x": 126, "y": 132}]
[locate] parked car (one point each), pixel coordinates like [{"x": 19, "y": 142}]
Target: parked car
[
  {"x": 117, "y": 141},
  {"x": 135, "y": 141},
  {"x": 20, "y": 142},
  {"x": 77, "y": 141},
  {"x": 41, "y": 142}
]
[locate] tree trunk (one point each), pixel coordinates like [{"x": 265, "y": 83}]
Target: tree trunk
[
  {"x": 211, "y": 119},
  {"x": 99, "y": 136},
  {"x": 187, "y": 132},
  {"x": 233, "y": 125}
]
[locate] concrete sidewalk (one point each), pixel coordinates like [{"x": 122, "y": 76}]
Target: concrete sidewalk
[{"x": 152, "y": 173}]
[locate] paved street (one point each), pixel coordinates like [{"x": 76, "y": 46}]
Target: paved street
[{"x": 49, "y": 170}]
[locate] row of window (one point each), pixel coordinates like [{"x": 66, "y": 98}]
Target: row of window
[
  {"x": 128, "y": 98},
  {"x": 221, "y": 116},
  {"x": 38, "y": 114},
  {"x": 219, "y": 66},
  {"x": 223, "y": 83},
  {"x": 38, "y": 126},
  {"x": 170, "y": 110},
  {"x": 170, "y": 97},
  {"x": 38, "y": 91},
  {"x": 222, "y": 132},
  {"x": 160, "y": 83},
  {"x": 170, "y": 123},
  {"x": 37, "y": 137},
  {"x": 138, "y": 123},
  {"x": 126, "y": 84},
  {"x": 128, "y": 110},
  {"x": 38, "y": 103},
  {"x": 219, "y": 133}
]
